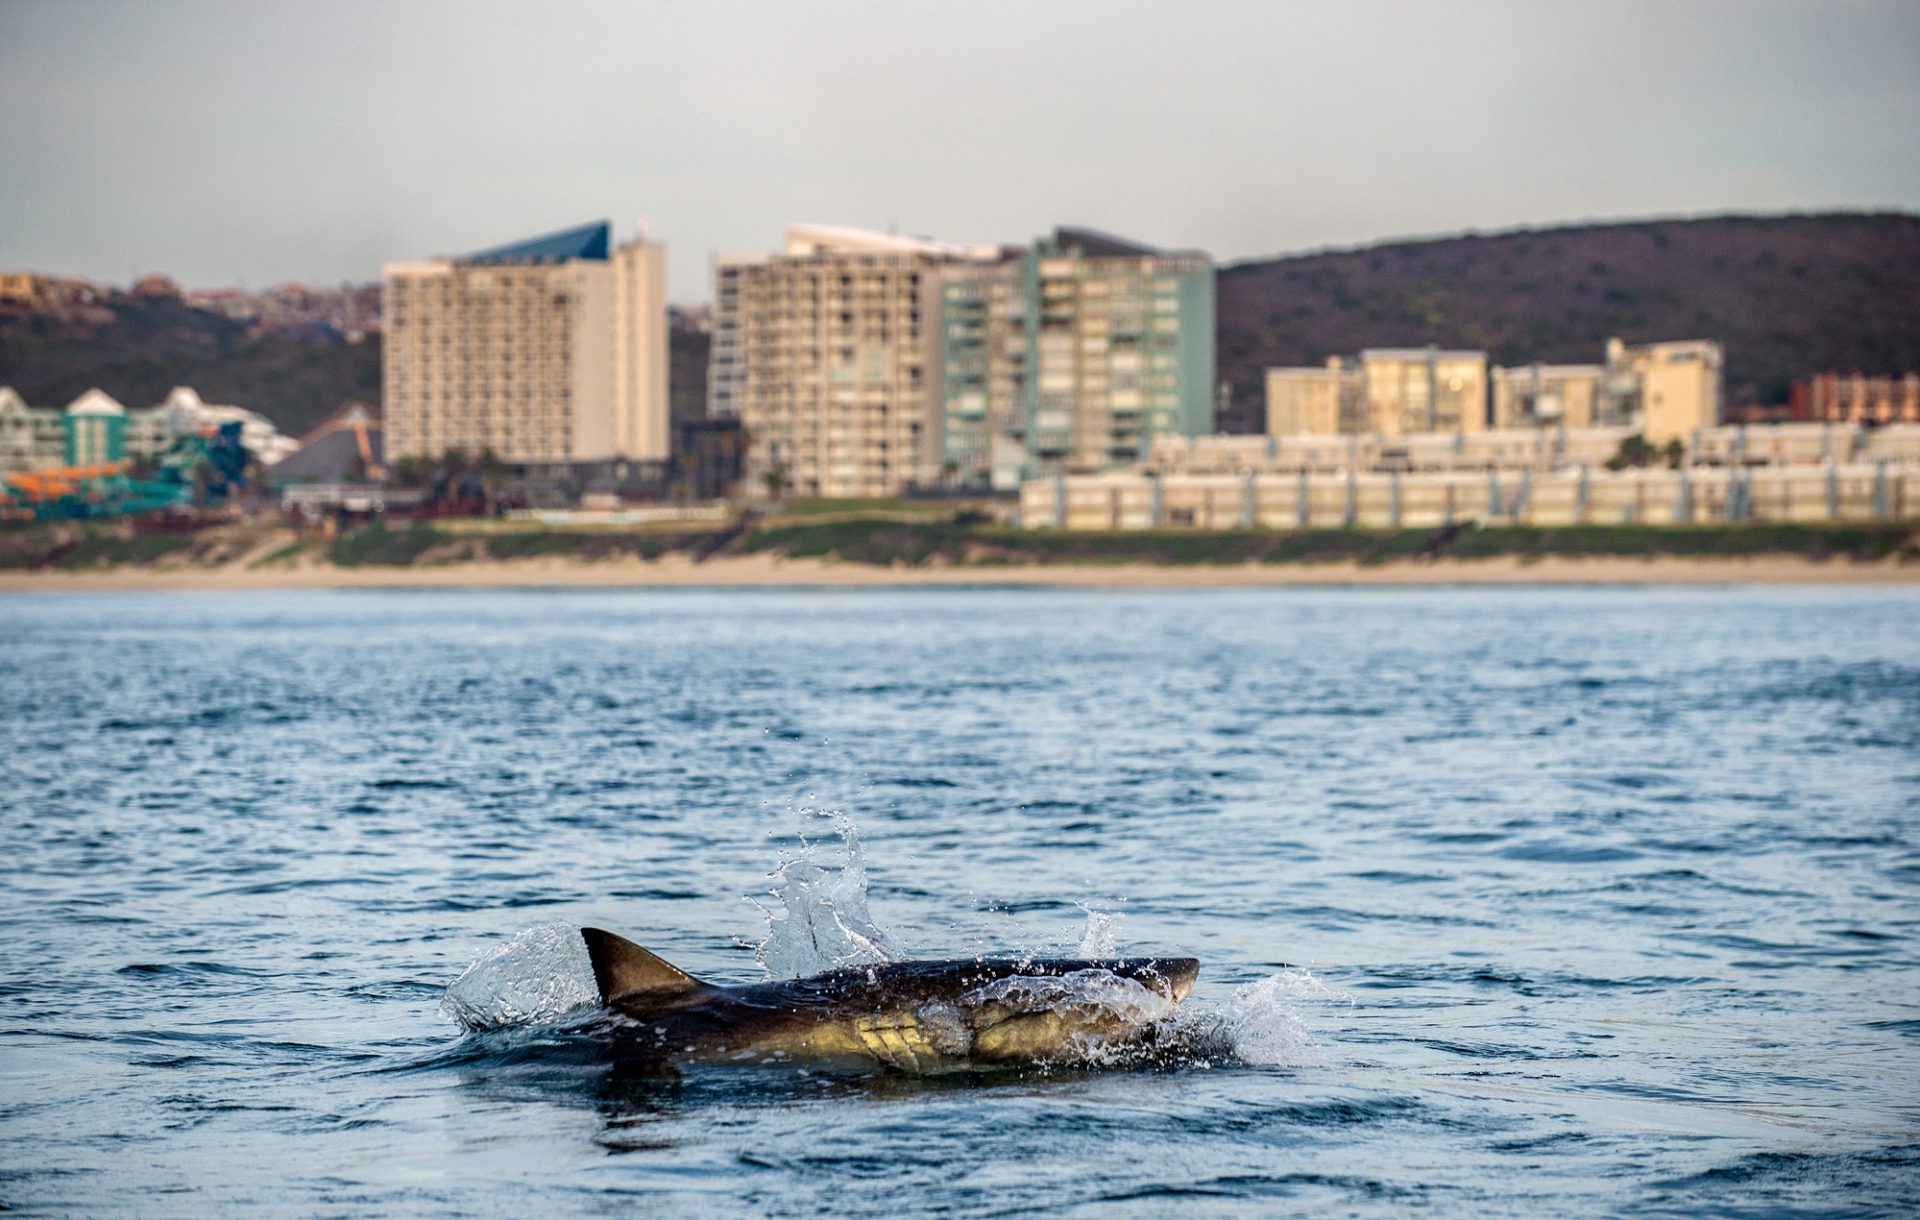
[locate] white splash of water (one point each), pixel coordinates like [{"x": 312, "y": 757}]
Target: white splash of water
[
  {"x": 822, "y": 922},
  {"x": 538, "y": 977},
  {"x": 1259, "y": 1024},
  {"x": 1099, "y": 939}
]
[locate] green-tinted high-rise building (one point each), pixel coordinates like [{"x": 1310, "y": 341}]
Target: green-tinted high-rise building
[{"x": 1072, "y": 354}]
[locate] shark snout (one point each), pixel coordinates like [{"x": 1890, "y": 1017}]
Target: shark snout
[
  {"x": 1180, "y": 972},
  {"x": 1172, "y": 977}
]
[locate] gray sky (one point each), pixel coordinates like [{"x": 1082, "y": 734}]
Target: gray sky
[{"x": 261, "y": 142}]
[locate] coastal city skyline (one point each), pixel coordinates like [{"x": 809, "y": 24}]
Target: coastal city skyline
[
  {"x": 1246, "y": 131},
  {"x": 853, "y": 363}
]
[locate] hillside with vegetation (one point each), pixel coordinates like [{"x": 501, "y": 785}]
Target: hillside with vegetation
[
  {"x": 1787, "y": 296},
  {"x": 137, "y": 348}
]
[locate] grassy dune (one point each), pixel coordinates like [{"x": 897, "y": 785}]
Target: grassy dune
[{"x": 949, "y": 540}]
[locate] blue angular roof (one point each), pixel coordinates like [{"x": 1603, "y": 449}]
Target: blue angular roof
[{"x": 589, "y": 241}]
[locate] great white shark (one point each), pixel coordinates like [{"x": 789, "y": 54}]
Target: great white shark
[{"x": 920, "y": 1017}]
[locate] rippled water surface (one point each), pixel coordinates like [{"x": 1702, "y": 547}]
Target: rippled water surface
[{"x": 1550, "y": 901}]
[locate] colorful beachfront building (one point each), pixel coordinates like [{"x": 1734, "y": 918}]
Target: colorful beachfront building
[{"x": 95, "y": 429}]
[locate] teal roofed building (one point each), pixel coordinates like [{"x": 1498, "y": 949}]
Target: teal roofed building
[
  {"x": 96, "y": 430},
  {"x": 1072, "y": 354}
]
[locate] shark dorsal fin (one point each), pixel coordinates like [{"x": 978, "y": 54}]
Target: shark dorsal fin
[{"x": 622, "y": 968}]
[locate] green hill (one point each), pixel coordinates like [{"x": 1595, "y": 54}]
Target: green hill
[
  {"x": 1787, "y": 295},
  {"x": 138, "y": 348}
]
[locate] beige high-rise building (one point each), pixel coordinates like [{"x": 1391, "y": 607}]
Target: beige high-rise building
[
  {"x": 823, "y": 351},
  {"x": 641, "y": 361},
  {"x": 550, "y": 350}
]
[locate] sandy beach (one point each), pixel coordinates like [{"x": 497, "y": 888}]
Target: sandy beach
[{"x": 676, "y": 571}]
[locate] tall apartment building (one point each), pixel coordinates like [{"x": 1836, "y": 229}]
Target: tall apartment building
[
  {"x": 821, "y": 351},
  {"x": 1387, "y": 391},
  {"x": 549, "y": 350},
  {"x": 1072, "y": 354}
]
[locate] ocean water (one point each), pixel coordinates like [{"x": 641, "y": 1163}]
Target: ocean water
[{"x": 1509, "y": 901}]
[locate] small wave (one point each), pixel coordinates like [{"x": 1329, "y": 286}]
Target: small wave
[
  {"x": 1567, "y": 853},
  {"x": 185, "y": 969},
  {"x": 1797, "y": 1180},
  {"x": 1907, "y": 1027}
]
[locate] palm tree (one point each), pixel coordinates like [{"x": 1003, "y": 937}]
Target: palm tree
[{"x": 775, "y": 477}]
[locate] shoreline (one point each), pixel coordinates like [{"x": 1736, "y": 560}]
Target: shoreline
[{"x": 766, "y": 571}]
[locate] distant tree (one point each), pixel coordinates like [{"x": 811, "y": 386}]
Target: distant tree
[
  {"x": 415, "y": 470},
  {"x": 493, "y": 472},
  {"x": 1634, "y": 454}
]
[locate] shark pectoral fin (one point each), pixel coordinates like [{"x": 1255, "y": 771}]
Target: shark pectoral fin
[
  {"x": 897, "y": 1040},
  {"x": 622, "y": 968}
]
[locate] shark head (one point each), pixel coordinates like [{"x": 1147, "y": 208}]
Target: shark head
[{"x": 1073, "y": 1009}]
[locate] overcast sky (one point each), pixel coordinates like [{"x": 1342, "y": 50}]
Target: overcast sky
[{"x": 255, "y": 143}]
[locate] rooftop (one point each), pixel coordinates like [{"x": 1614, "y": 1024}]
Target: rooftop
[
  {"x": 1421, "y": 353},
  {"x": 841, "y": 239},
  {"x": 588, "y": 241},
  {"x": 1092, "y": 243}
]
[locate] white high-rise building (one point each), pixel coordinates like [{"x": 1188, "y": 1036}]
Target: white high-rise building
[{"x": 823, "y": 353}]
